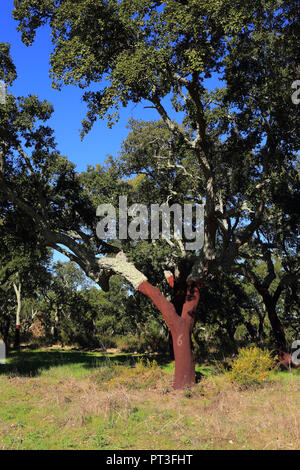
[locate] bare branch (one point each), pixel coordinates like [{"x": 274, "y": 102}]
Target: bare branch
[{"x": 120, "y": 265}]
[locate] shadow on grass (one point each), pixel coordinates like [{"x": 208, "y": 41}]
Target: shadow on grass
[
  {"x": 198, "y": 376},
  {"x": 28, "y": 363}
]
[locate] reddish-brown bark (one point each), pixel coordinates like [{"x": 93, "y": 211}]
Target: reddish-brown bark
[
  {"x": 180, "y": 324},
  {"x": 170, "y": 280}
]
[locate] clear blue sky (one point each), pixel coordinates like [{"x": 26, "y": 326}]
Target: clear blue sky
[{"x": 33, "y": 78}]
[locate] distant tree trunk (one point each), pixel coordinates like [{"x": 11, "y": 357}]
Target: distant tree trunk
[
  {"x": 252, "y": 331},
  {"x": 231, "y": 329},
  {"x": 55, "y": 327},
  {"x": 18, "y": 315},
  {"x": 278, "y": 331},
  {"x": 261, "y": 334},
  {"x": 5, "y": 329},
  {"x": 180, "y": 321}
]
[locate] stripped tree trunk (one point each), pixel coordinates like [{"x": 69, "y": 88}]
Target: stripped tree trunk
[
  {"x": 179, "y": 314},
  {"x": 180, "y": 326}
]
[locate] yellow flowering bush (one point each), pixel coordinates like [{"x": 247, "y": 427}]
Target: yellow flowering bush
[{"x": 252, "y": 366}]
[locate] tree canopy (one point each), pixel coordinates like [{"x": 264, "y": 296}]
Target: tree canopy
[{"x": 151, "y": 50}]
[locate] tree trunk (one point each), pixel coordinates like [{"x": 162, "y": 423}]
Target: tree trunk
[
  {"x": 261, "y": 334},
  {"x": 55, "y": 327},
  {"x": 18, "y": 315},
  {"x": 252, "y": 331},
  {"x": 184, "y": 361},
  {"x": 17, "y": 338},
  {"x": 179, "y": 314},
  {"x": 5, "y": 330},
  {"x": 180, "y": 327},
  {"x": 280, "y": 341},
  {"x": 278, "y": 331}
]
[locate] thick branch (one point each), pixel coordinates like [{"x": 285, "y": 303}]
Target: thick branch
[
  {"x": 166, "y": 308},
  {"x": 120, "y": 265}
]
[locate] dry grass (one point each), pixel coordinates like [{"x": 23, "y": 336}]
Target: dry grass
[
  {"x": 226, "y": 417},
  {"x": 135, "y": 408}
]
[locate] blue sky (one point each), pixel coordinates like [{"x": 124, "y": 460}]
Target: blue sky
[{"x": 33, "y": 78}]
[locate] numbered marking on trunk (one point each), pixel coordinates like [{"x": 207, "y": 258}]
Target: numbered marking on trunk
[{"x": 179, "y": 340}]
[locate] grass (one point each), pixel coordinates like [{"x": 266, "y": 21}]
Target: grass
[{"x": 82, "y": 400}]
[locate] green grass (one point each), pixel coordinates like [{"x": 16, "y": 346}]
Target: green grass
[{"x": 54, "y": 399}]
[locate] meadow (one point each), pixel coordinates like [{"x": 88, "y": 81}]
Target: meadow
[{"x": 71, "y": 399}]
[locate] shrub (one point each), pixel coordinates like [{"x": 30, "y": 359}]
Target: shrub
[
  {"x": 130, "y": 344},
  {"x": 37, "y": 329},
  {"x": 155, "y": 338},
  {"x": 213, "y": 385},
  {"x": 152, "y": 339},
  {"x": 252, "y": 366},
  {"x": 105, "y": 341},
  {"x": 144, "y": 375}
]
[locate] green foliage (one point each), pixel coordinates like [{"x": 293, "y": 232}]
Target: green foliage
[
  {"x": 252, "y": 366},
  {"x": 7, "y": 68},
  {"x": 130, "y": 344},
  {"x": 151, "y": 339}
]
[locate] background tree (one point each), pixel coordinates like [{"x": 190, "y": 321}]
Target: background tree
[{"x": 24, "y": 269}]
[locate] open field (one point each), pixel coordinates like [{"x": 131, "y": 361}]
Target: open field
[{"x": 54, "y": 399}]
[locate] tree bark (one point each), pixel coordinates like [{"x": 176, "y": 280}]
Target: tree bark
[
  {"x": 55, "y": 327},
  {"x": 18, "y": 315},
  {"x": 5, "y": 329},
  {"x": 252, "y": 331},
  {"x": 284, "y": 356},
  {"x": 180, "y": 327}
]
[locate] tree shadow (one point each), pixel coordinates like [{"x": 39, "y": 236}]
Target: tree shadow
[
  {"x": 198, "y": 376},
  {"x": 30, "y": 363}
]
